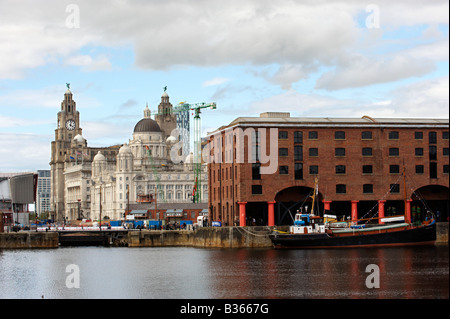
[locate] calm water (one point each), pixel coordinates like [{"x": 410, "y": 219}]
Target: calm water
[{"x": 224, "y": 273}]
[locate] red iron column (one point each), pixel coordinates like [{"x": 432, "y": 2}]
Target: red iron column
[
  {"x": 242, "y": 216},
  {"x": 355, "y": 209},
  {"x": 381, "y": 210},
  {"x": 271, "y": 213},
  {"x": 408, "y": 211}
]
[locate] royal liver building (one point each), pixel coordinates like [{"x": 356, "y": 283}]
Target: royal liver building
[{"x": 86, "y": 181}]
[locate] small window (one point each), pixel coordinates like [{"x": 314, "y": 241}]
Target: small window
[
  {"x": 368, "y": 188},
  {"x": 256, "y": 189},
  {"x": 339, "y": 135},
  {"x": 418, "y": 135},
  {"x": 284, "y": 170},
  {"x": 313, "y": 135},
  {"x": 282, "y": 135},
  {"x": 395, "y": 188},
  {"x": 367, "y": 135},
  {"x": 445, "y": 151},
  {"x": 367, "y": 169},
  {"x": 446, "y": 168},
  {"x": 394, "y": 169},
  {"x": 341, "y": 189},
  {"x": 393, "y": 151},
  {"x": 283, "y": 152},
  {"x": 340, "y": 169},
  {"x": 420, "y": 169},
  {"x": 393, "y": 135},
  {"x": 313, "y": 169},
  {"x": 314, "y": 152},
  {"x": 445, "y": 135},
  {"x": 367, "y": 151},
  {"x": 419, "y": 151},
  {"x": 340, "y": 151}
]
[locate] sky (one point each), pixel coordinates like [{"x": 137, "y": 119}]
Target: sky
[{"x": 311, "y": 58}]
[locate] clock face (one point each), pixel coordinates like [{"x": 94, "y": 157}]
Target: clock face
[{"x": 70, "y": 125}]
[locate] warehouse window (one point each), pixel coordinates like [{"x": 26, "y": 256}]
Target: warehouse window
[
  {"x": 368, "y": 188},
  {"x": 393, "y": 135},
  {"x": 313, "y": 169},
  {"x": 339, "y": 135},
  {"x": 284, "y": 170},
  {"x": 393, "y": 151},
  {"x": 298, "y": 137},
  {"x": 340, "y": 169},
  {"x": 313, "y": 152},
  {"x": 298, "y": 170},
  {"x": 256, "y": 189},
  {"x": 283, "y": 135},
  {"x": 341, "y": 189},
  {"x": 367, "y": 135},
  {"x": 313, "y": 135},
  {"x": 367, "y": 151},
  {"x": 367, "y": 169},
  {"x": 340, "y": 151}
]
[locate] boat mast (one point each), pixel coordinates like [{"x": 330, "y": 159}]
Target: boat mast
[
  {"x": 314, "y": 195},
  {"x": 404, "y": 189}
]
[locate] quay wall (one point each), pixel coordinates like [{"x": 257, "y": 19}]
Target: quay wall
[
  {"x": 442, "y": 233},
  {"x": 208, "y": 237},
  {"x": 29, "y": 239}
]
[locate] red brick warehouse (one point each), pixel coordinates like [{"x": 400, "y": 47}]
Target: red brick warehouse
[{"x": 358, "y": 163}]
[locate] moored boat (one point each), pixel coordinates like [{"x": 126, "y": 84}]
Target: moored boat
[{"x": 311, "y": 231}]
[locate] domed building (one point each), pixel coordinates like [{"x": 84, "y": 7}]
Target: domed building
[{"x": 111, "y": 181}]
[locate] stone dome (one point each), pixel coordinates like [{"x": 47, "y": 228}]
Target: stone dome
[
  {"x": 125, "y": 149},
  {"x": 147, "y": 125},
  {"x": 99, "y": 157},
  {"x": 171, "y": 139}
]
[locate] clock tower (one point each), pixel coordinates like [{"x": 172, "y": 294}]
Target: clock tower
[{"x": 67, "y": 128}]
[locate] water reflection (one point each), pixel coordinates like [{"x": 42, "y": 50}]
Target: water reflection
[{"x": 224, "y": 273}]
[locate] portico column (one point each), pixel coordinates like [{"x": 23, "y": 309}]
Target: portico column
[
  {"x": 326, "y": 204},
  {"x": 408, "y": 210},
  {"x": 355, "y": 209},
  {"x": 271, "y": 213},
  {"x": 242, "y": 216},
  {"x": 381, "y": 210}
]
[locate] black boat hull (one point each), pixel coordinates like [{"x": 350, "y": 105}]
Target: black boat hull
[{"x": 425, "y": 235}]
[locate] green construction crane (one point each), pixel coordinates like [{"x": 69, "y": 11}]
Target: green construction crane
[{"x": 197, "y": 107}]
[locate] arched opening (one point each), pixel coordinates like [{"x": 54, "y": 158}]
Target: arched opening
[
  {"x": 290, "y": 199},
  {"x": 431, "y": 197}
]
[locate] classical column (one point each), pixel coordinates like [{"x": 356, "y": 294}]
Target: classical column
[
  {"x": 381, "y": 210},
  {"x": 271, "y": 213},
  {"x": 408, "y": 211},
  {"x": 355, "y": 209},
  {"x": 242, "y": 216}
]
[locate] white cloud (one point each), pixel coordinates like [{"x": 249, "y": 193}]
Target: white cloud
[
  {"x": 364, "y": 71},
  {"x": 88, "y": 63},
  {"x": 215, "y": 81}
]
